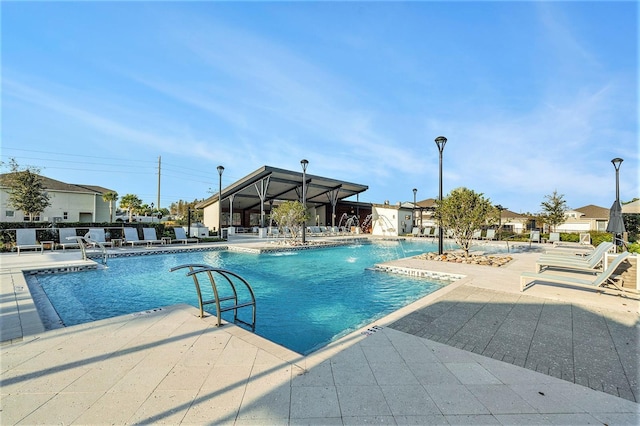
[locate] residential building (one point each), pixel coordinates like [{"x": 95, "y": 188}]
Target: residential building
[
  {"x": 69, "y": 203},
  {"x": 585, "y": 219}
]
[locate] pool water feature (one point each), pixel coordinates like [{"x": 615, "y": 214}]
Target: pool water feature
[{"x": 305, "y": 299}]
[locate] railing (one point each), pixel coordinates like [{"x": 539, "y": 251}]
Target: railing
[{"x": 232, "y": 279}]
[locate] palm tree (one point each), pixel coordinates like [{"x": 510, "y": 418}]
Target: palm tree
[
  {"x": 131, "y": 203},
  {"x": 110, "y": 196}
]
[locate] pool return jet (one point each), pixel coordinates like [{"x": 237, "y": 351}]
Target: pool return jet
[{"x": 219, "y": 301}]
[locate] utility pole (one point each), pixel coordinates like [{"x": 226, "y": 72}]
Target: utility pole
[{"x": 159, "y": 169}]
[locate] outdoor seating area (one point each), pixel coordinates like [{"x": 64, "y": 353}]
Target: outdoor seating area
[{"x": 602, "y": 280}]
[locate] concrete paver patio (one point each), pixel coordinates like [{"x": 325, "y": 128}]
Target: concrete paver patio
[{"x": 169, "y": 366}]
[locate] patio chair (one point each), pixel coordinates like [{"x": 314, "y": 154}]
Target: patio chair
[
  {"x": 491, "y": 235},
  {"x": 587, "y": 264},
  {"x": 96, "y": 236},
  {"x": 554, "y": 237},
  {"x": 602, "y": 280},
  {"x": 131, "y": 236},
  {"x": 427, "y": 232},
  {"x": 150, "y": 236},
  {"x": 67, "y": 238},
  {"x": 476, "y": 235},
  {"x": 534, "y": 237},
  {"x": 26, "y": 239},
  {"x": 415, "y": 231},
  {"x": 181, "y": 236},
  {"x": 585, "y": 239}
]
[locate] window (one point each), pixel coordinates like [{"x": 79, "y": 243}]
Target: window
[
  {"x": 9, "y": 213},
  {"x": 65, "y": 215}
]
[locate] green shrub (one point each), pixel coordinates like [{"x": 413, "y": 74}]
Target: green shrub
[{"x": 634, "y": 248}]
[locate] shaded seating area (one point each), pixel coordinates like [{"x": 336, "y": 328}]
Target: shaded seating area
[
  {"x": 26, "y": 240},
  {"x": 181, "y": 236},
  {"x": 67, "y": 238},
  {"x": 603, "y": 280},
  {"x": 588, "y": 263}
]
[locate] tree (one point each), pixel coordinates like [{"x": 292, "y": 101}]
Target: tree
[
  {"x": 292, "y": 215},
  {"x": 181, "y": 208},
  {"x": 130, "y": 203},
  {"x": 464, "y": 211},
  {"x": 26, "y": 189},
  {"x": 553, "y": 210},
  {"x": 110, "y": 196}
]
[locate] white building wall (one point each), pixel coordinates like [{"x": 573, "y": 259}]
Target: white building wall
[
  {"x": 389, "y": 220},
  {"x": 73, "y": 203}
]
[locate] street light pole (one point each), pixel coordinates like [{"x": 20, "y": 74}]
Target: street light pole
[
  {"x": 440, "y": 142},
  {"x": 415, "y": 221},
  {"x": 304, "y": 164},
  {"x": 220, "y": 170}
]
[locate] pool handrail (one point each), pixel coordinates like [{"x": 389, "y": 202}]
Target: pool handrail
[{"x": 195, "y": 269}]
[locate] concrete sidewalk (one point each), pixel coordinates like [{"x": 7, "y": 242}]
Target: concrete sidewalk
[{"x": 171, "y": 367}]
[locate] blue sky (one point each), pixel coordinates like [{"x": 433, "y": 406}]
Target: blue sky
[{"x": 532, "y": 96}]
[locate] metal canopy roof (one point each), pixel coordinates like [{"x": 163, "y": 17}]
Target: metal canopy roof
[{"x": 282, "y": 185}]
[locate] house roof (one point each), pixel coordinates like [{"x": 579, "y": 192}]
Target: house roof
[
  {"x": 593, "y": 212},
  {"x": 56, "y": 185},
  {"x": 508, "y": 214},
  {"x": 631, "y": 208},
  {"x": 283, "y": 185}
]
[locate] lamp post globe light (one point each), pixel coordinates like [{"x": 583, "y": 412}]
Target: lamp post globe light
[
  {"x": 151, "y": 212},
  {"x": 440, "y": 142},
  {"x": 220, "y": 170},
  {"x": 304, "y": 164}
]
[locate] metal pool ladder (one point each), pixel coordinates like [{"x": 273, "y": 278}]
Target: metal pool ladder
[{"x": 232, "y": 279}]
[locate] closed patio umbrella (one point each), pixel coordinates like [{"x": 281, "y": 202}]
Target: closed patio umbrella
[{"x": 616, "y": 225}]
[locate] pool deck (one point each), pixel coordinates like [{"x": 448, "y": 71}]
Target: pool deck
[{"x": 476, "y": 352}]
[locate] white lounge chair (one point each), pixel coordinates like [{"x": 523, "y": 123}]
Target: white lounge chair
[
  {"x": 476, "y": 235},
  {"x": 96, "y": 236},
  {"x": 534, "y": 236},
  {"x": 427, "y": 232},
  {"x": 26, "y": 239},
  {"x": 131, "y": 236},
  {"x": 150, "y": 236},
  {"x": 554, "y": 237},
  {"x": 181, "y": 236},
  {"x": 67, "y": 238},
  {"x": 491, "y": 235},
  {"x": 602, "y": 280},
  {"x": 415, "y": 231},
  {"x": 586, "y": 264}
]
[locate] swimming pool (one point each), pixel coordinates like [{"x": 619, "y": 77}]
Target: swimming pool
[{"x": 305, "y": 299}]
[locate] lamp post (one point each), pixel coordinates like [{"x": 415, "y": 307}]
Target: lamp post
[
  {"x": 151, "y": 212},
  {"x": 220, "y": 170},
  {"x": 304, "y": 164},
  {"x": 415, "y": 221},
  {"x": 440, "y": 142}
]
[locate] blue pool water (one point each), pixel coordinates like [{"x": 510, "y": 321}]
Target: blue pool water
[{"x": 305, "y": 299}]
